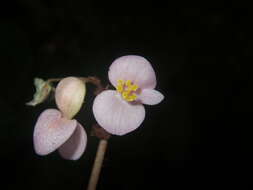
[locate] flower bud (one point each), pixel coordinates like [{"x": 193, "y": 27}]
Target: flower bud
[{"x": 69, "y": 96}]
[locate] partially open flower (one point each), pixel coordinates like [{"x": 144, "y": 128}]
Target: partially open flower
[
  {"x": 121, "y": 111},
  {"x": 69, "y": 96},
  {"x": 53, "y": 131}
]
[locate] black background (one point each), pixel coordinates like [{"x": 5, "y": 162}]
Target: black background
[{"x": 199, "y": 137}]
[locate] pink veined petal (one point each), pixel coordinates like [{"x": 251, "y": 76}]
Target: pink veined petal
[
  {"x": 134, "y": 68},
  {"x": 51, "y": 131},
  {"x": 116, "y": 115},
  {"x": 75, "y": 146},
  {"x": 150, "y": 97}
]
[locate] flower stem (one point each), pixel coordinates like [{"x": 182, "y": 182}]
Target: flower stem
[
  {"x": 97, "y": 164},
  {"x": 54, "y": 80}
]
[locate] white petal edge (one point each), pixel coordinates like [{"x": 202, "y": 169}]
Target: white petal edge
[
  {"x": 51, "y": 131},
  {"x": 134, "y": 68},
  {"x": 115, "y": 115},
  {"x": 150, "y": 97},
  {"x": 75, "y": 146}
]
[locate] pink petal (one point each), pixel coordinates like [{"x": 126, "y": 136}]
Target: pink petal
[
  {"x": 69, "y": 96},
  {"x": 116, "y": 115},
  {"x": 51, "y": 131},
  {"x": 74, "y": 147},
  {"x": 150, "y": 97},
  {"x": 134, "y": 68}
]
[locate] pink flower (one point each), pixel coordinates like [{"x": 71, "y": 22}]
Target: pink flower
[
  {"x": 121, "y": 111},
  {"x": 52, "y": 131},
  {"x": 55, "y": 129}
]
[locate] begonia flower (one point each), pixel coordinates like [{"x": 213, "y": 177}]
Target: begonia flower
[
  {"x": 52, "y": 131},
  {"x": 56, "y": 129},
  {"x": 121, "y": 111}
]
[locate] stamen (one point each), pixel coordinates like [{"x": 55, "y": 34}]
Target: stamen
[
  {"x": 120, "y": 86},
  {"x": 127, "y": 89}
]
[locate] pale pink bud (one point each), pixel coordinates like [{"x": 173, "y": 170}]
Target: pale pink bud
[{"x": 69, "y": 96}]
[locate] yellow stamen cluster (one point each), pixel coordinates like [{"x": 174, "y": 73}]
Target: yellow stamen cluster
[{"x": 127, "y": 89}]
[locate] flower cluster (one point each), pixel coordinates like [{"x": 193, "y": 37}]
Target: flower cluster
[
  {"x": 118, "y": 111},
  {"x": 55, "y": 129}
]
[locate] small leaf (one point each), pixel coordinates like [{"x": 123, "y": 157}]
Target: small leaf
[{"x": 43, "y": 89}]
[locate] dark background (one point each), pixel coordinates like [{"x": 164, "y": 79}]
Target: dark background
[{"x": 199, "y": 137}]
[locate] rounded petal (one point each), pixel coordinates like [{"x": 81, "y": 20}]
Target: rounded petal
[
  {"x": 134, "y": 68},
  {"x": 74, "y": 147},
  {"x": 69, "y": 96},
  {"x": 115, "y": 115},
  {"x": 150, "y": 97},
  {"x": 51, "y": 131}
]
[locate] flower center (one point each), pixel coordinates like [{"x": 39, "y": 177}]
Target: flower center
[{"x": 127, "y": 89}]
